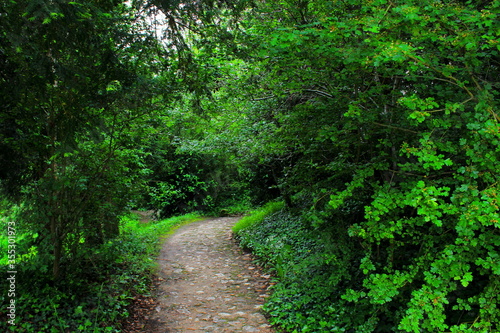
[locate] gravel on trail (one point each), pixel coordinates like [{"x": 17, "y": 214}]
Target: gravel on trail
[{"x": 207, "y": 283}]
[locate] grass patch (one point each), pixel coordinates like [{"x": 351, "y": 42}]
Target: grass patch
[
  {"x": 257, "y": 216},
  {"x": 156, "y": 229}
]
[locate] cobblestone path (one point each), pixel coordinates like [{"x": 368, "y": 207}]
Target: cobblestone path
[{"x": 207, "y": 284}]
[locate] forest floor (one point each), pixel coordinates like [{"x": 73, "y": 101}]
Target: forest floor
[{"x": 205, "y": 283}]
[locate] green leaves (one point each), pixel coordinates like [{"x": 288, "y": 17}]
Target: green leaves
[
  {"x": 384, "y": 287},
  {"x": 397, "y": 145},
  {"x": 419, "y": 106},
  {"x": 375, "y": 121}
]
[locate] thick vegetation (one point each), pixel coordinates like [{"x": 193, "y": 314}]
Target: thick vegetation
[
  {"x": 375, "y": 122},
  {"x": 311, "y": 266},
  {"x": 96, "y": 294},
  {"x": 386, "y": 116}
]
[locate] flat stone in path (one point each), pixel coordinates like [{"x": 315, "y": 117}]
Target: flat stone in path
[{"x": 208, "y": 284}]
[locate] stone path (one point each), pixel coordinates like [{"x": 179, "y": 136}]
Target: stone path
[{"x": 207, "y": 284}]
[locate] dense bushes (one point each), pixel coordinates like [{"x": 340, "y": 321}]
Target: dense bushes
[
  {"x": 386, "y": 126},
  {"x": 317, "y": 273},
  {"x": 183, "y": 175},
  {"x": 313, "y": 266},
  {"x": 95, "y": 295},
  {"x": 376, "y": 122}
]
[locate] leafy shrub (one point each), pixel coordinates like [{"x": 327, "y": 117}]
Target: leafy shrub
[
  {"x": 257, "y": 216},
  {"x": 236, "y": 208},
  {"x": 312, "y": 265}
]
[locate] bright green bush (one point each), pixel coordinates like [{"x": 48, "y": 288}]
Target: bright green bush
[
  {"x": 234, "y": 208},
  {"x": 257, "y": 216}
]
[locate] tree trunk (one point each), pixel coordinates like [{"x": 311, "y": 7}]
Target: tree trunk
[{"x": 57, "y": 247}]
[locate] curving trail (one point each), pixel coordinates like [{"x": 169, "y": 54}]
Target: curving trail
[{"x": 207, "y": 284}]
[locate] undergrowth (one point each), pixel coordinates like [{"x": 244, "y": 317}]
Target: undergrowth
[
  {"x": 94, "y": 296},
  {"x": 312, "y": 266}
]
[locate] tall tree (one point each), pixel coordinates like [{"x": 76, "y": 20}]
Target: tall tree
[{"x": 66, "y": 71}]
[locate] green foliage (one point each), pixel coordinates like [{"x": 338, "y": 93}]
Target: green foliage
[
  {"x": 385, "y": 110},
  {"x": 65, "y": 84},
  {"x": 155, "y": 229},
  {"x": 256, "y": 216},
  {"x": 186, "y": 173},
  {"x": 96, "y": 294},
  {"x": 375, "y": 122},
  {"x": 311, "y": 273},
  {"x": 235, "y": 206},
  {"x": 181, "y": 182}
]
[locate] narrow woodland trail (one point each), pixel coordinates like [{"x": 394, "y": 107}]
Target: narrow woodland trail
[{"x": 207, "y": 284}]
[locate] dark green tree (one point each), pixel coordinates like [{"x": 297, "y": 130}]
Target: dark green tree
[{"x": 68, "y": 74}]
